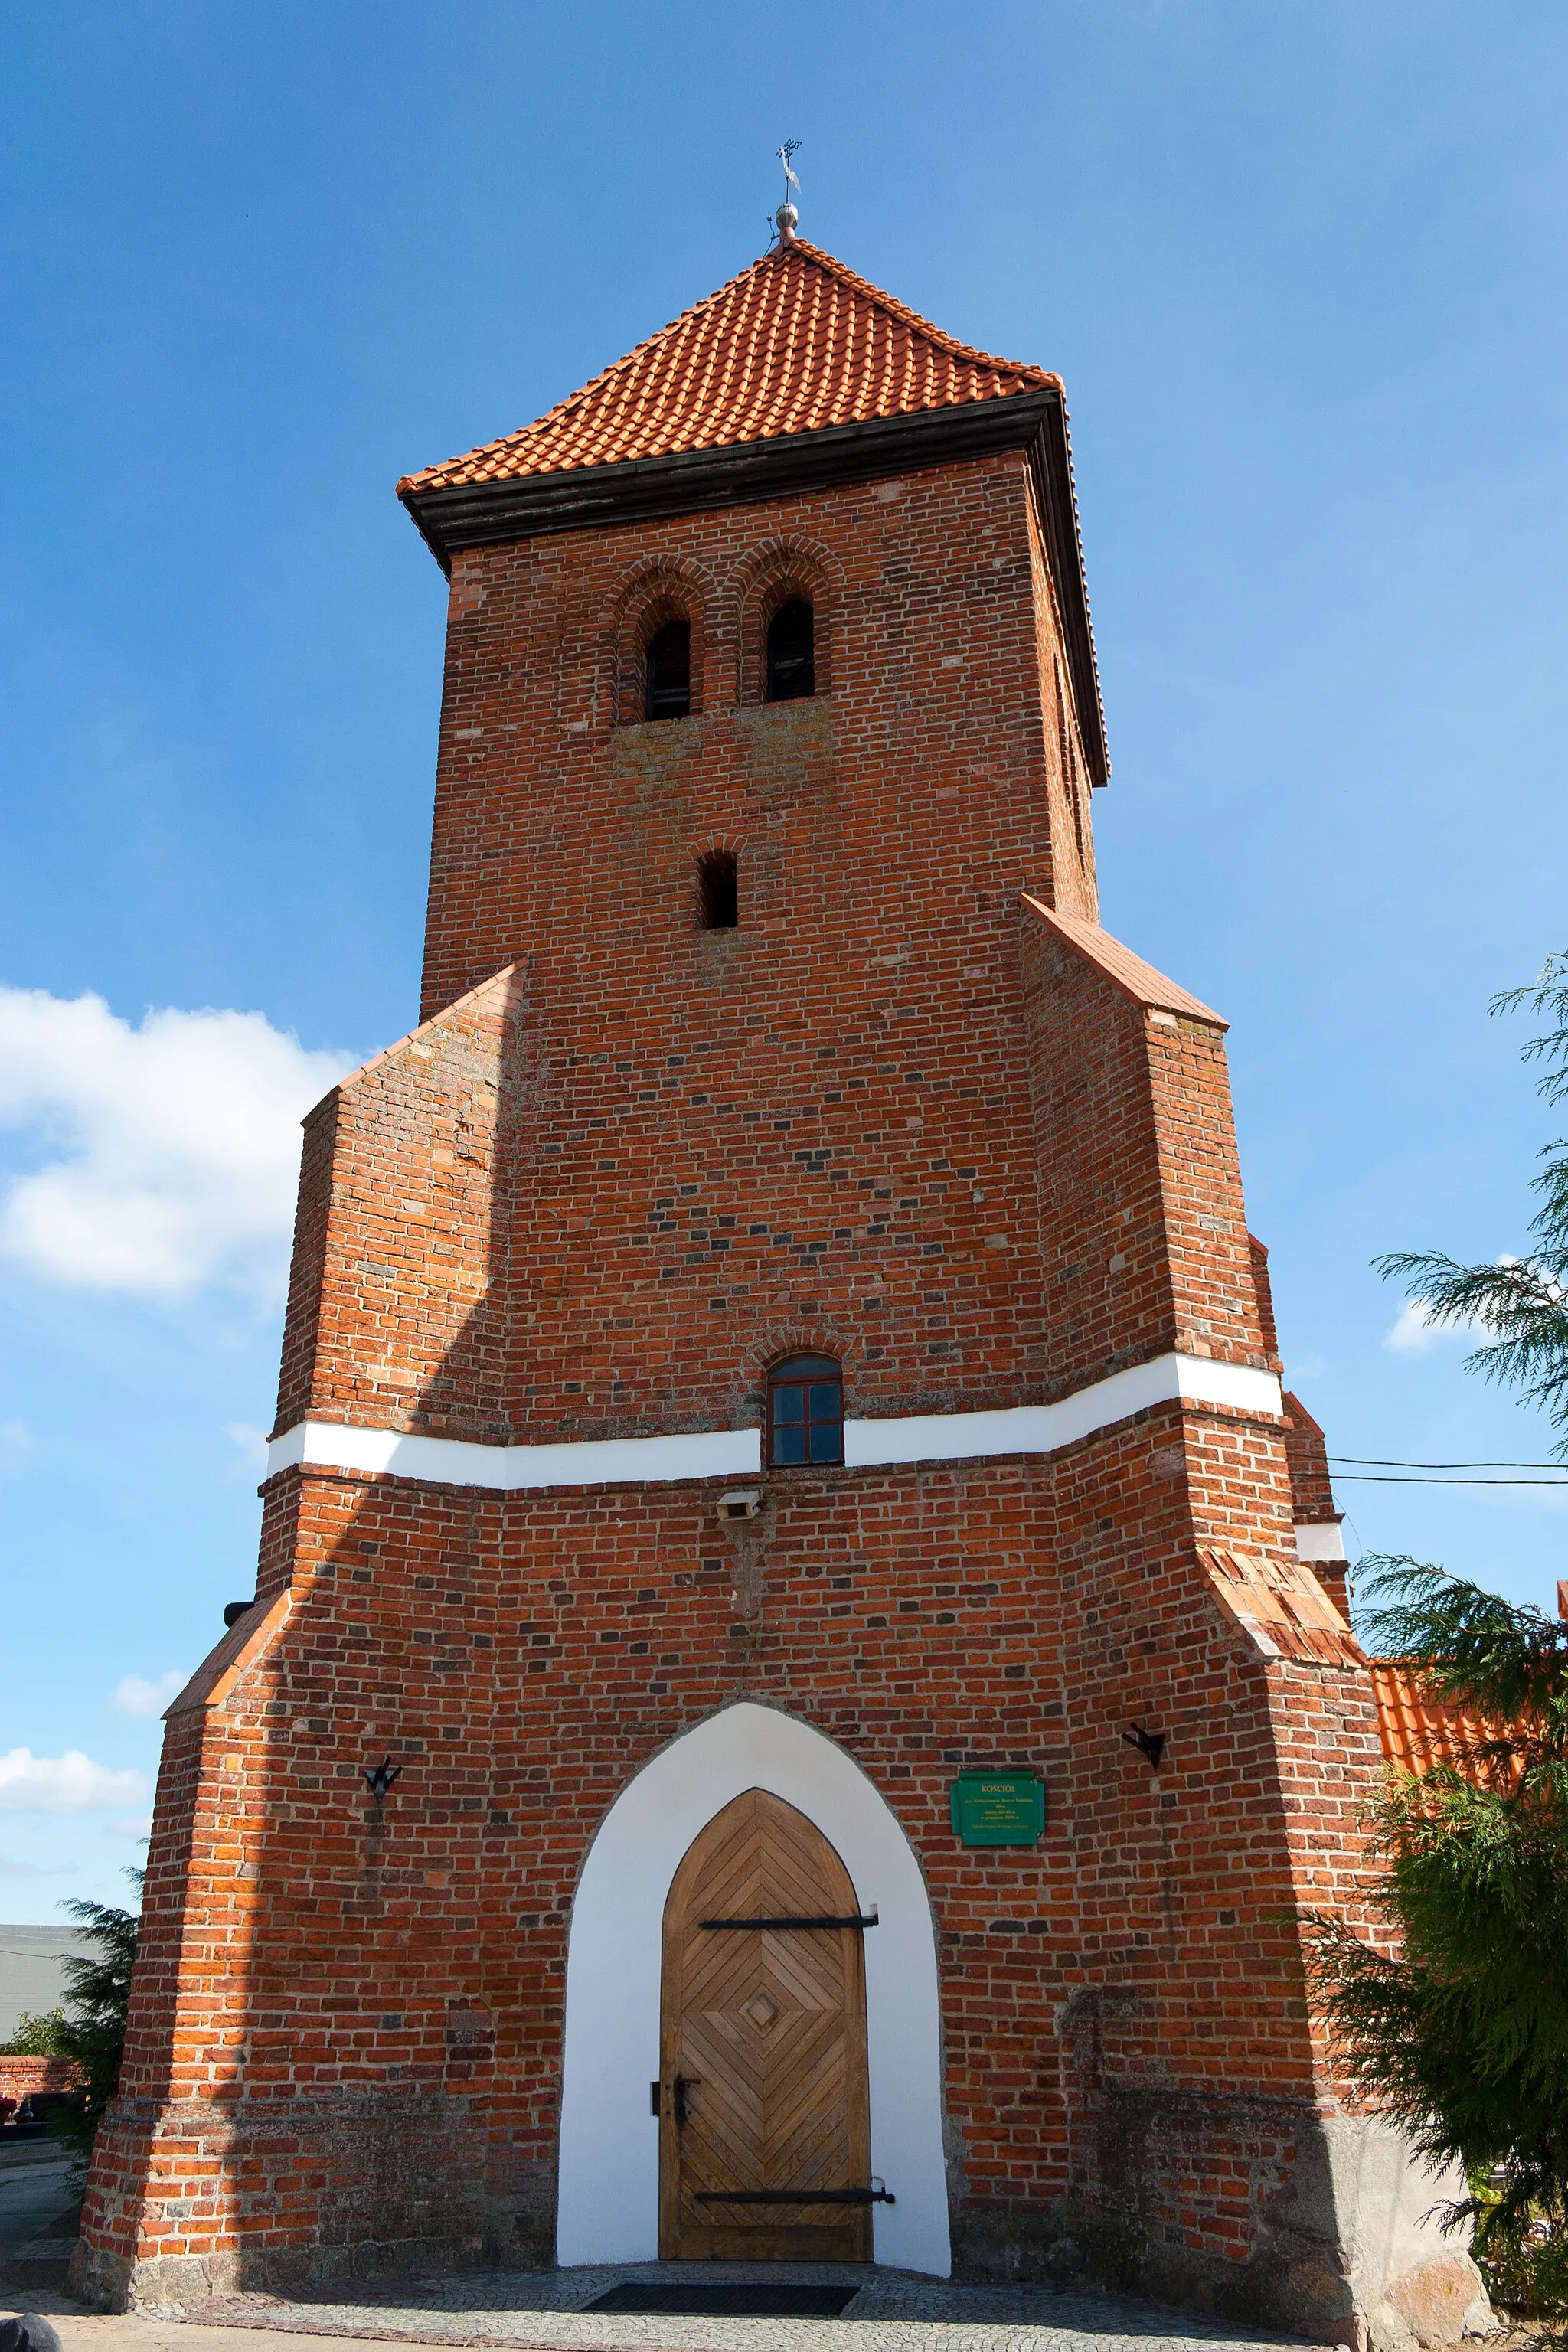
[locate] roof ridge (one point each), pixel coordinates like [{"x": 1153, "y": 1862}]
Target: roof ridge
[{"x": 939, "y": 335}]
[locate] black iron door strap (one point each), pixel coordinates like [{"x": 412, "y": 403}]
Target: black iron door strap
[
  {"x": 876, "y": 2196},
  {"x": 796, "y": 1921}
]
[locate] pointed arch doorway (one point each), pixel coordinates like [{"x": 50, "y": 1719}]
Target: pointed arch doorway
[
  {"x": 608, "y": 2175},
  {"x": 763, "y": 2085}
]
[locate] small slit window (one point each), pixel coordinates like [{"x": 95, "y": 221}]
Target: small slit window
[
  {"x": 668, "y": 693},
  {"x": 719, "y": 891},
  {"x": 805, "y": 1412},
  {"x": 792, "y": 652}
]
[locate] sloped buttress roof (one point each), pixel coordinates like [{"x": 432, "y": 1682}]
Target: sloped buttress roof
[{"x": 795, "y": 343}]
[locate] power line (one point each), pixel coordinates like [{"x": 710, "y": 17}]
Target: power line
[
  {"x": 1368, "y": 1466},
  {"x": 1376, "y": 1461},
  {"x": 1372, "y": 1479}
]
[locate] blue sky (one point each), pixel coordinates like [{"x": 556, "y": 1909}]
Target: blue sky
[{"x": 1301, "y": 265}]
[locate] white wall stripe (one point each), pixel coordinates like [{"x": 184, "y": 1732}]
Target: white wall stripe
[
  {"x": 1319, "y": 1539},
  {"x": 738, "y": 1453},
  {"x": 450, "y": 1462},
  {"x": 1041, "y": 1428}
]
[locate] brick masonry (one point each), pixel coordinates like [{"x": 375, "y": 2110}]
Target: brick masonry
[
  {"x": 24, "y": 2078},
  {"x": 623, "y": 1165}
]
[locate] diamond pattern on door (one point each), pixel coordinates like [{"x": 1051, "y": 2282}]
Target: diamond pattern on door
[{"x": 763, "y": 2055}]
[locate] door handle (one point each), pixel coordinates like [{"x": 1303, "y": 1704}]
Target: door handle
[{"x": 681, "y": 2085}]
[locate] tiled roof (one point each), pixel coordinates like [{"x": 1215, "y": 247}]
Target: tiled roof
[
  {"x": 1126, "y": 970},
  {"x": 240, "y": 1647},
  {"x": 1282, "y": 1607},
  {"x": 1419, "y": 1731},
  {"x": 793, "y": 343}
]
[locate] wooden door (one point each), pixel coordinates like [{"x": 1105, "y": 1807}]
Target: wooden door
[{"x": 763, "y": 2046}]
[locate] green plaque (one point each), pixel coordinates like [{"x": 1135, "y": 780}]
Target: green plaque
[{"x": 998, "y": 1808}]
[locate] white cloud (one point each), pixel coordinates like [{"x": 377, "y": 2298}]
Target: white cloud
[
  {"x": 251, "y": 1441},
  {"x": 1417, "y": 1329},
  {"x": 16, "y": 1445},
  {"x": 173, "y": 1148},
  {"x": 136, "y": 1696},
  {"x": 71, "y": 1783},
  {"x": 140, "y": 1829},
  {"x": 1415, "y": 1333}
]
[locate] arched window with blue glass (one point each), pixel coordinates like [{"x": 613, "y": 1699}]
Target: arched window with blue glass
[{"x": 805, "y": 1410}]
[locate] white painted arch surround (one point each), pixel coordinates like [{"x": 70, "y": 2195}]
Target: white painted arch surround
[{"x": 608, "y": 2210}]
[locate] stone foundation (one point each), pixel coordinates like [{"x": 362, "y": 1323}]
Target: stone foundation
[
  {"x": 301, "y": 2194},
  {"x": 1337, "y": 2235}
]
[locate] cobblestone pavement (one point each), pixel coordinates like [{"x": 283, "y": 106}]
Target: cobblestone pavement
[
  {"x": 891, "y": 2311},
  {"x": 37, "y": 2188}
]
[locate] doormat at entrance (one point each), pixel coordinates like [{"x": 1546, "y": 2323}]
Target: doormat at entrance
[{"x": 730, "y": 2299}]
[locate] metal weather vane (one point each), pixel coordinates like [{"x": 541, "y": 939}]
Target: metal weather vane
[{"x": 786, "y": 220}]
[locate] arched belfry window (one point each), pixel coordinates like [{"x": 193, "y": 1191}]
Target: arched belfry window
[
  {"x": 668, "y": 689},
  {"x": 792, "y": 652},
  {"x": 805, "y": 1410}
]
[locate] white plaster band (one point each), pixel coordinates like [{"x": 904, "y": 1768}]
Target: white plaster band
[
  {"x": 452, "y": 1462},
  {"x": 1041, "y": 1428},
  {"x": 738, "y": 1453},
  {"x": 1319, "y": 1539}
]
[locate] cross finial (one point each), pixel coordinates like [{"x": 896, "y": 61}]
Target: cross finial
[{"x": 787, "y": 219}]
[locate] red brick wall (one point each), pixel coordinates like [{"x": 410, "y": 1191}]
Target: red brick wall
[
  {"x": 1306, "y": 1449},
  {"x": 590, "y": 1199},
  {"x": 523, "y": 1656},
  {"x": 1140, "y": 1193},
  {"x": 921, "y": 782},
  {"x": 20, "y": 2077},
  {"x": 398, "y": 1300}
]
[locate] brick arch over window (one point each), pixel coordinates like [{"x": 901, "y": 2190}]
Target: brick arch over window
[
  {"x": 708, "y": 858},
  {"x": 774, "y": 577},
  {"x": 777, "y": 1346},
  {"x": 655, "y": 597}
]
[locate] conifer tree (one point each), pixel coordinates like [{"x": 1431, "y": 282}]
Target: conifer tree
[
  {"x": 1460, "y": 2029},
  {"x": 1521, "y": 1304},
  {"x": 97, "y": 1994}
]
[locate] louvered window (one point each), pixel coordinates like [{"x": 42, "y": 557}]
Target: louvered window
[
  {"x": 792, "y": 663},
  {"x": 668, "y": 689}
]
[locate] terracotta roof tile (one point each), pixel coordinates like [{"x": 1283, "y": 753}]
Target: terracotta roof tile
[
  {"x": 240, "y": 1647},
  {"x": 1282, "y": 1607},
  {"x": 793, "y": 343},
  {"x": 1123, "y": 968},
  {"x": 1419, "y": 1731}
]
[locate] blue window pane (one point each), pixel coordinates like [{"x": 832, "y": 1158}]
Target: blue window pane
[
  {"x": 824, "y": 1402},
  {"x": 789, "y": 1445},
  {"x": 827, "y": 1442},
  {"x": 789, "y": 1404}
]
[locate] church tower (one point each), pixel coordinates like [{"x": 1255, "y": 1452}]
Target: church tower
[{"x": 785, "y": 1714}]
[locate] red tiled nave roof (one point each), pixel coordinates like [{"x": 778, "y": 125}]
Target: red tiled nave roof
[
  {"x": 1420, "y": 1730},
  {"x": 793, "y": 343}
]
